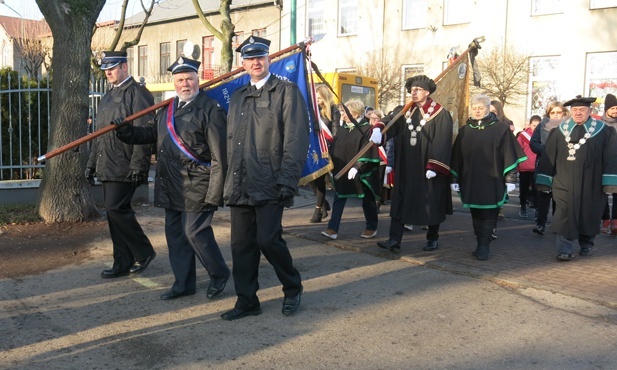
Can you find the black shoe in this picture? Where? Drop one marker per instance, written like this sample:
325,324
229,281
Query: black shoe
564,257
171,294
110,274
431,245
290,305
237,313
216,288
390,244
140,266
539,229
585,252
325,207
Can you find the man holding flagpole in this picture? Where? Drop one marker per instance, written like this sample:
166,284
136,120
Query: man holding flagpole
268,139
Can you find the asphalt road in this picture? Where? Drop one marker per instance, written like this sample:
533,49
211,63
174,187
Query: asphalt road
359,311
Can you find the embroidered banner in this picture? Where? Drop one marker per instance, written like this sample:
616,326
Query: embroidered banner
291,68
453,92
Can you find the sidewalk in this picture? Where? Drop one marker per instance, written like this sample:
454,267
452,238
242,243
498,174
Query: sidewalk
519,258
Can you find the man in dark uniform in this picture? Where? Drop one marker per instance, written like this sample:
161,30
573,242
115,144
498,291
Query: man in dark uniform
268,141
423,143
579,164
122,167
190,172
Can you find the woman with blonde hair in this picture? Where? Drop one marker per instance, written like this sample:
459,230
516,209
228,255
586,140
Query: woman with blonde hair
331,117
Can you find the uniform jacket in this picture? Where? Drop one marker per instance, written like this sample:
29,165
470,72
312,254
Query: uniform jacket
113,159
267,142
182,184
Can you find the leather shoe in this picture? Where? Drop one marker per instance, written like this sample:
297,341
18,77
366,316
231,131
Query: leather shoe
431,245
171,294
140,266
390,244
291,304
237,313
111,273
216,288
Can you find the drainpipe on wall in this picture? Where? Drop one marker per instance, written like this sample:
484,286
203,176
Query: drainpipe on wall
292,36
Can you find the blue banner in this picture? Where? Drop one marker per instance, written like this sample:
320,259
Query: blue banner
291,68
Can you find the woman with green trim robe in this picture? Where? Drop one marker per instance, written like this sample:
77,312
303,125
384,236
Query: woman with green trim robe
485,157
579,164
362,181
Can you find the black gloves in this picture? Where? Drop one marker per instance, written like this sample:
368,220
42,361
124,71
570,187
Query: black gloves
138,177
286,193
90,175
118,121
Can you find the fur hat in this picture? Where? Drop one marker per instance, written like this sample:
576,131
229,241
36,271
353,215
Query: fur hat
609,102
421,81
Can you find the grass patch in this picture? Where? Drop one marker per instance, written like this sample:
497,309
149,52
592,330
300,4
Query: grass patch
18,214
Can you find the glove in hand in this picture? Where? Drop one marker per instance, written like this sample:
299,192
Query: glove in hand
376,136
286,193
388,170
138,177
89,174
352,173
510,187
455,187
430,174
118,121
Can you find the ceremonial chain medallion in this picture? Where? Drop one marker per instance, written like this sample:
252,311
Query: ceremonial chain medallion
572,148
414,131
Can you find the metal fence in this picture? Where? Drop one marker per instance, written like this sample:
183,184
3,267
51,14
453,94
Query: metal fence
25,115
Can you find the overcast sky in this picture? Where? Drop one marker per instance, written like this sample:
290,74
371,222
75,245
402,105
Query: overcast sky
30,10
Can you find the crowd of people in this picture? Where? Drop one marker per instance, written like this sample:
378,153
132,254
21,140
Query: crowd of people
251,158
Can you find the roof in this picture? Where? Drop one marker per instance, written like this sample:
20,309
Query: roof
174,9
30,27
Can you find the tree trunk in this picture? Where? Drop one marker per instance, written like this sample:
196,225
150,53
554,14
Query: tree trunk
64,192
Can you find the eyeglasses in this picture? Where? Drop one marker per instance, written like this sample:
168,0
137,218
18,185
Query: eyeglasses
556,112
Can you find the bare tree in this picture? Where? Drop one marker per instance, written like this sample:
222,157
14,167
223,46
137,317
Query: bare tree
225,34
385,65
33,51
64,192
505,72
119,30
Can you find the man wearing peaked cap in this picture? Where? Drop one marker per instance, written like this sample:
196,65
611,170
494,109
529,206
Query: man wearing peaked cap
111,59
580,165
122,168
267,146
190,136
609,218
184,65
423,144
254,47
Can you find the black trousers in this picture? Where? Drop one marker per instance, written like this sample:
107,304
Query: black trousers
397,229
527,180
543,206
257,230
190,235
130,244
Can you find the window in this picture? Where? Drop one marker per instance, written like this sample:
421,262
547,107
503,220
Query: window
601,75
457,11
180,48
209,71
598,4
409,70
415,14
543,7
315,17
142,60
235,42
165,57
543,83
259,32
130,59
348,17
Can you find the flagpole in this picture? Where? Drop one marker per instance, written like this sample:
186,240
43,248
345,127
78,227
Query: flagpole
475,44
153,108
